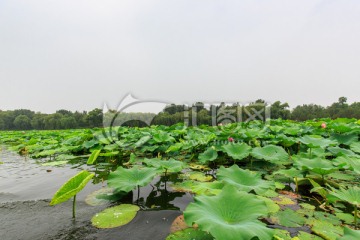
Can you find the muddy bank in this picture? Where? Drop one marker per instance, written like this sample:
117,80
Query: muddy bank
37,220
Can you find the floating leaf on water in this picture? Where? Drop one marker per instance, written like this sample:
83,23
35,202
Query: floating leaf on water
115,216
326,230
288,218
324,216
190,234
282,200
194,166
306,236
201,177
100,197
55,163
185,186
282,235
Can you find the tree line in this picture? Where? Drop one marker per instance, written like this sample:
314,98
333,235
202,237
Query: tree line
197,114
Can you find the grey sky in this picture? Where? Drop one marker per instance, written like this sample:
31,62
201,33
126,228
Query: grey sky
77,55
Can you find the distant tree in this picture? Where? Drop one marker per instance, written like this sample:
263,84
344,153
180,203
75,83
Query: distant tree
68,122
22,122
2,125
37,122
95,118
308,111
280,110
64,112
25,112
53,121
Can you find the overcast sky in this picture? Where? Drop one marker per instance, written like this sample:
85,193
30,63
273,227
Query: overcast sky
78,55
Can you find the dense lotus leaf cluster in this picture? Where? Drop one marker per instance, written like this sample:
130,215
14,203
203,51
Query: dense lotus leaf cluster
270,167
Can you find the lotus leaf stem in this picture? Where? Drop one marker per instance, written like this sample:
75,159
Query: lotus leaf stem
355,215
74,206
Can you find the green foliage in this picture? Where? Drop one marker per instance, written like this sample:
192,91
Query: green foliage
72,187
244,180
209,155
271,153
115,216
170,165
350,234
229,215
237,151
189,233
94,155
126,180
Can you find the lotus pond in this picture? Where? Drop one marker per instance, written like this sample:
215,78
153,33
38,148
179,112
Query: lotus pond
253,180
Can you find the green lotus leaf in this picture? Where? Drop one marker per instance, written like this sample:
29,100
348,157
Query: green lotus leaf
126,180
338,151
55,163
170,165
355,147
244,180
348,162
316,165
350,195
185,186
306,236
289,173
288,218
94,155
71,187
345,217
201,177
103,196
190,233
231,215
142,141
209,155
207,188
162,136
271,205
350,234
324,216
315,141
346,139
115,216
341,127
89,144
271,153
237,151
326,230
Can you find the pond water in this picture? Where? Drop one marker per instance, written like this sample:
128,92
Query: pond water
24,178
24,183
